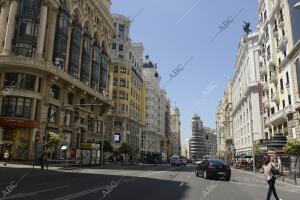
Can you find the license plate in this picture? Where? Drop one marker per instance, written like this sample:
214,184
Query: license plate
222,173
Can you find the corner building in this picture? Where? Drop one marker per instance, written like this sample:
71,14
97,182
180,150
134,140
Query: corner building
53,53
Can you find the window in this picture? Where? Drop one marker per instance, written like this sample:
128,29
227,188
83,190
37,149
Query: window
70,98
75,49
19,81
61,37
86,57
287,78
16,107
51,110
283,103
67,118
115,94
121,32
54,91
113,45
121,47
272,110
25,37
269,53
90,124
289,99
122,83
123,70
281,84
122,95
116,69
298,73
96,67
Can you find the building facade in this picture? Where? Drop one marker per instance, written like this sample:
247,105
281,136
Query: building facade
151,137
246,96
175,125
126,119
279,33
197,148
224,122
55,54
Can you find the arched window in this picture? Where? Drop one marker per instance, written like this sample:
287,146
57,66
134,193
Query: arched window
75,48
103,72
86,57
27,22
61,36
96,66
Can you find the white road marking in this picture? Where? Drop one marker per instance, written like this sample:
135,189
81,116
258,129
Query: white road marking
82,193
181,184
22,195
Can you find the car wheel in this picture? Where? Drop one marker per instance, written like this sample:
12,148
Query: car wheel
196,173
205,175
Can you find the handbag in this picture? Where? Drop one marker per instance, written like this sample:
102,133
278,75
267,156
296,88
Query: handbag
275,171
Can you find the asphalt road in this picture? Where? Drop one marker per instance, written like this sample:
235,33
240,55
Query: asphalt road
139,183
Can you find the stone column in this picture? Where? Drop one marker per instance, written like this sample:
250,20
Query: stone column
10,28
42,30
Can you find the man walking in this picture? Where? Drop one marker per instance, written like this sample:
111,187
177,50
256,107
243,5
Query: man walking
6,157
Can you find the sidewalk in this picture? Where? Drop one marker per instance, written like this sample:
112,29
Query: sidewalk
287,180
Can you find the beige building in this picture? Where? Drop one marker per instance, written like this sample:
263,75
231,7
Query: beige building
127,117
55,53
279,33
175,126
224,121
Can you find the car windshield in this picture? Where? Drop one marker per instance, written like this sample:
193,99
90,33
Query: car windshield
217,162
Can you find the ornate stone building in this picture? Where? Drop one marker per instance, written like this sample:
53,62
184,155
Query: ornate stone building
54,53
127,116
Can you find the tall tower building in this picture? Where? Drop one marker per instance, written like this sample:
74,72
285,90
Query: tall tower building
175,124
197,140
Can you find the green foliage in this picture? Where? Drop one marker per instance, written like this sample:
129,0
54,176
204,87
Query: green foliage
125,149
256,148
106,146
293,147
53,141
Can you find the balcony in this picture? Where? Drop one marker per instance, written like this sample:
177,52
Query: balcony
281,115
282,44
42,66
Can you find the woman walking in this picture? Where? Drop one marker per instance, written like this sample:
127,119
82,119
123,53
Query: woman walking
269,168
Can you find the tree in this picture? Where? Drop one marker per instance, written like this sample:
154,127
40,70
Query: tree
293,148
52,142
106,146
125,149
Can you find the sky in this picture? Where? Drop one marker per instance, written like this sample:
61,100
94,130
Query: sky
195,44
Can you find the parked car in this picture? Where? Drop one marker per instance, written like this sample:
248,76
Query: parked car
213,169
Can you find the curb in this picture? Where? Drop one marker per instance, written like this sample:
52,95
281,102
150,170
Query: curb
261,176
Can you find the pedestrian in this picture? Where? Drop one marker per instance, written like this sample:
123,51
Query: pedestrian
269,172
6,157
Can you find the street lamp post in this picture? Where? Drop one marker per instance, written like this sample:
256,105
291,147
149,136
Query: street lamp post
48,121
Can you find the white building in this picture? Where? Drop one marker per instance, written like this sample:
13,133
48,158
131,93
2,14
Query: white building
246,99
151,136
175,124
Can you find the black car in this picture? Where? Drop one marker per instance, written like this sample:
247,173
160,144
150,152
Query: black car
213,169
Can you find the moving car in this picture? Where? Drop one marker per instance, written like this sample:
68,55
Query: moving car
176,161
213,169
